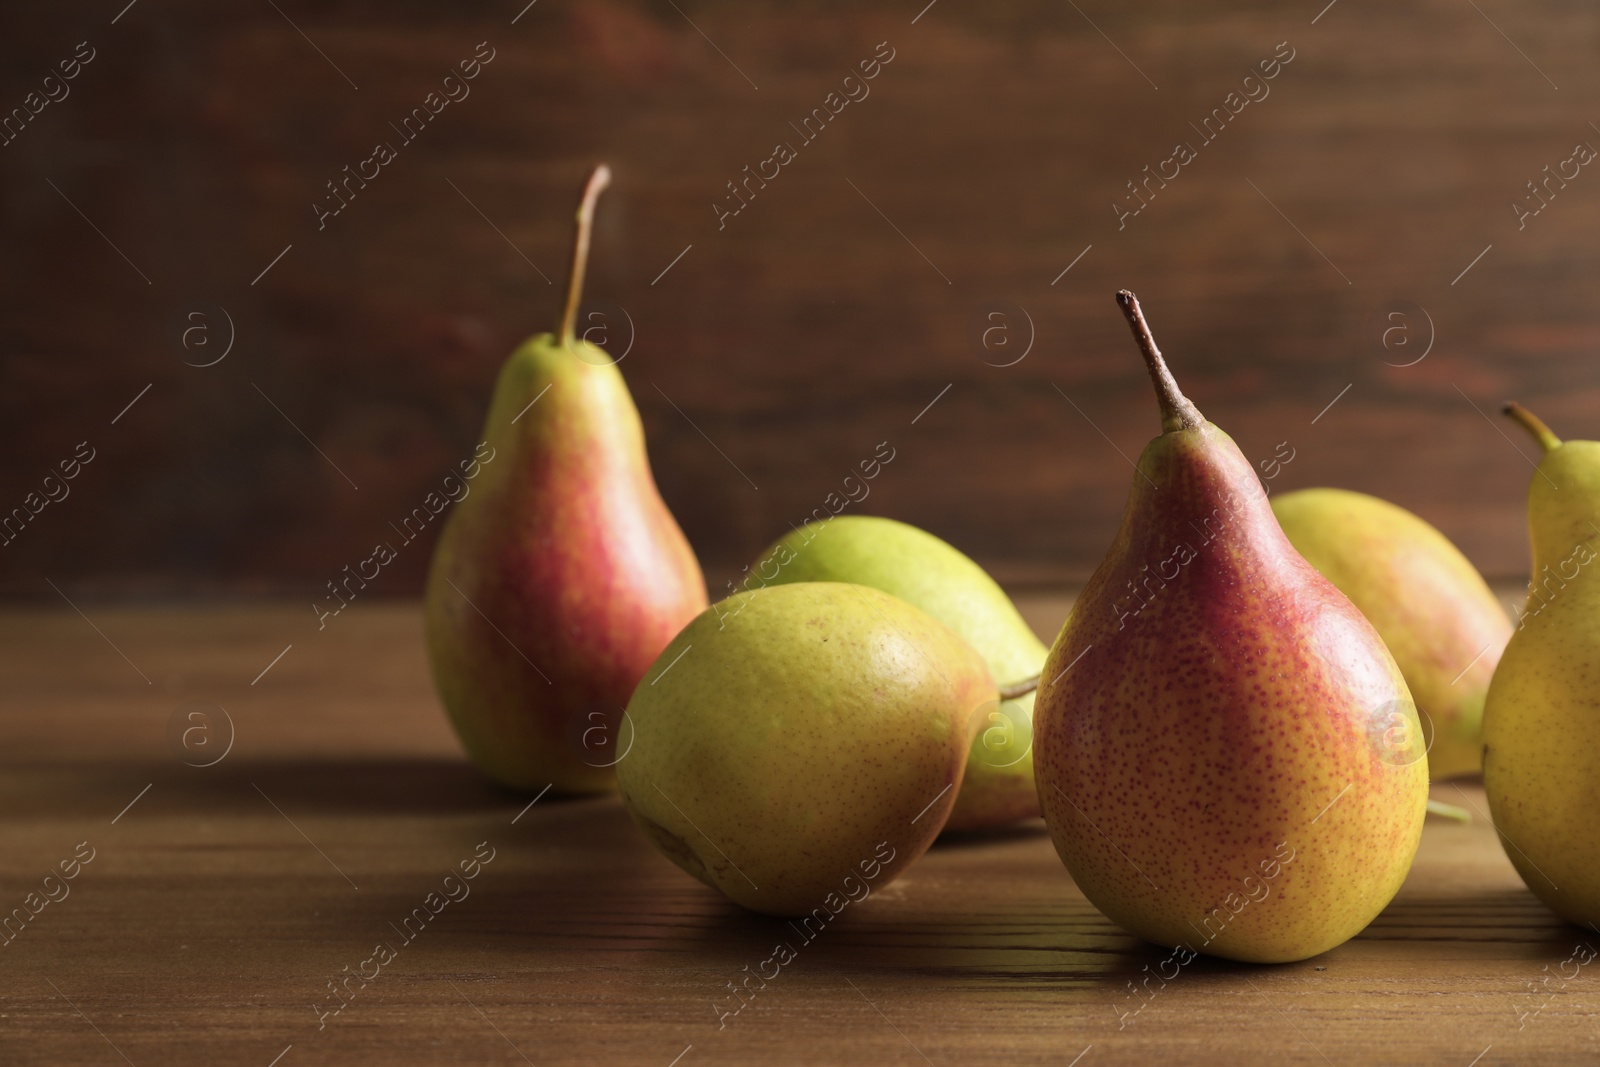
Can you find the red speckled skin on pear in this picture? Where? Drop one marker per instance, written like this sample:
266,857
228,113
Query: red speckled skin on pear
1196,735
576,561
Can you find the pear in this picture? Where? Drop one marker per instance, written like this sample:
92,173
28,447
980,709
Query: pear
799,746
1541,722
1428,603
1227,755
933,575
559,578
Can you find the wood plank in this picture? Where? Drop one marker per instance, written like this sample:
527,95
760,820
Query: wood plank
217,908
806,329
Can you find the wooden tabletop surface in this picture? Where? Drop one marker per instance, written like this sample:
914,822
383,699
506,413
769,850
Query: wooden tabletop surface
211,907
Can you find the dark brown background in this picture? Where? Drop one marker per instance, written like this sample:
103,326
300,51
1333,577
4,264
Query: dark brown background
808,330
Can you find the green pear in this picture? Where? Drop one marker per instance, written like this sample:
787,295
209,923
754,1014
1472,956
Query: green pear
1541,722
1428,603
1227,755
932,575
561,575
799,745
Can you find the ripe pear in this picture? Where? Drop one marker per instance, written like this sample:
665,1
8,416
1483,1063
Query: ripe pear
797,743
933,575
558,579
1428,603
1541,722
1226,752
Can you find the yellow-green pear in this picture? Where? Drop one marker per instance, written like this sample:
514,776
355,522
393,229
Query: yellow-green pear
1541,722
1227,756
933,575
1426,600
798,747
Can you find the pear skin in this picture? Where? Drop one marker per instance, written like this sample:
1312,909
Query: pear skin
1541,722
1227,755
561,576
933,575
1426,600
800,746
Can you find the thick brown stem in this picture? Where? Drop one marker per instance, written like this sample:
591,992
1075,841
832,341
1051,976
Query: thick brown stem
1177,413
1534,425
598,180
1019,689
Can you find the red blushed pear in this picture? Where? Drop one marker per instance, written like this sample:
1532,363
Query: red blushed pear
562,575
1227,755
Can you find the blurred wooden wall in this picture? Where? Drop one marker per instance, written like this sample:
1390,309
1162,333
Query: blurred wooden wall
824,317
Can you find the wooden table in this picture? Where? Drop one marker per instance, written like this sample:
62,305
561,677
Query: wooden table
222,900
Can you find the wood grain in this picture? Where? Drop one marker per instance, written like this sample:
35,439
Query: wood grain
217,908
823,318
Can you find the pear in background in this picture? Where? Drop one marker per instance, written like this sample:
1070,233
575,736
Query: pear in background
558,579
1541,723
932,575
803,744
1428,603
1226,752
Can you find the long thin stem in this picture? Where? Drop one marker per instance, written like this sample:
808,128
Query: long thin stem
1534,425
1020,688
1448,811
1177,413
598,180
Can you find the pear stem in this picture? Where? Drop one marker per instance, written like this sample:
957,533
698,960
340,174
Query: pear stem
1534,425
598,180
1448,811
1019,689
1177,413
